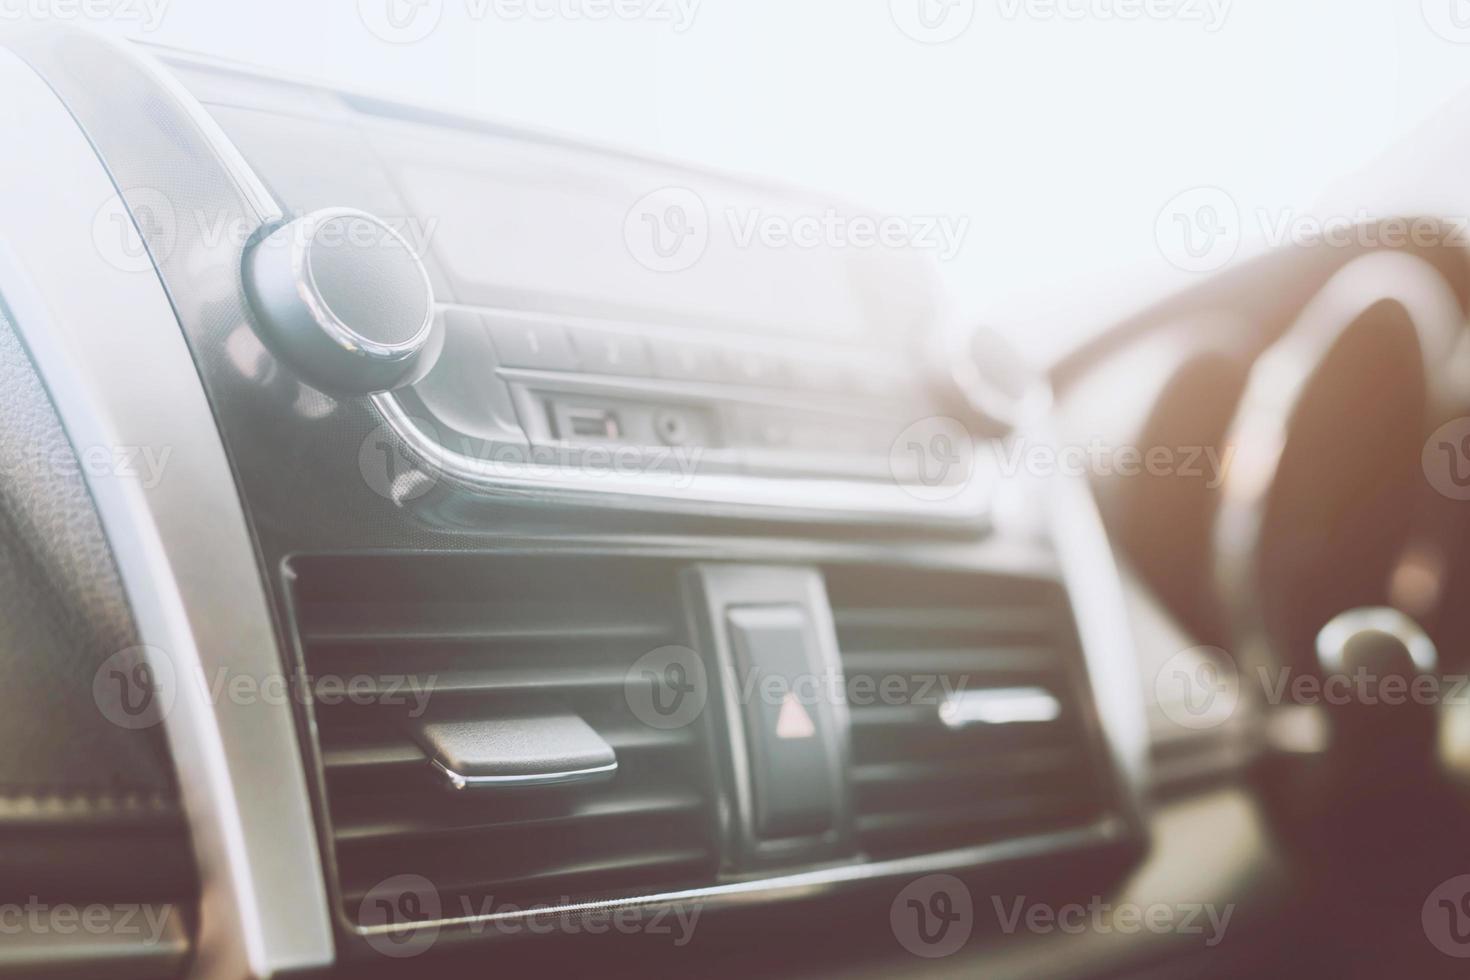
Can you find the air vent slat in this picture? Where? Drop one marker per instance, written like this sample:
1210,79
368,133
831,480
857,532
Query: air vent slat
1038,658
912,641
484,680
487,637
652,806
983,820
364,623
565,881
870,619
908,772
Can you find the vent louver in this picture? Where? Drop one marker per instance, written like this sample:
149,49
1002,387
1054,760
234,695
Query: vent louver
909,640
478,639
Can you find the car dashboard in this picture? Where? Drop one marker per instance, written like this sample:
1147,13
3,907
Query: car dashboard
471,556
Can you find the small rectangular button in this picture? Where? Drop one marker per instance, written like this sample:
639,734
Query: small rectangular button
753,367
530,344
789,731
687,361
603,352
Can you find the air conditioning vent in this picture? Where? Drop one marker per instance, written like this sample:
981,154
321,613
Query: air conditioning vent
486,639
1020,752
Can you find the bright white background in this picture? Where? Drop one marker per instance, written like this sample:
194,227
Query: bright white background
1059,127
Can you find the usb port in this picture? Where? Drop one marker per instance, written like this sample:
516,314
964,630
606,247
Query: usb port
590,423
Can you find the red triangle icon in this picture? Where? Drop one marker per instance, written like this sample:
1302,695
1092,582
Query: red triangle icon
793,721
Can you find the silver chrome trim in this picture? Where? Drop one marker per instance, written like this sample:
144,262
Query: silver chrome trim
999,706
120,374
299,235
1333,638
810,499
805,884
595,774
1060,508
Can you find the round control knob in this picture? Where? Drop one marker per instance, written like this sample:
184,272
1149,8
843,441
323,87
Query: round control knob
345,300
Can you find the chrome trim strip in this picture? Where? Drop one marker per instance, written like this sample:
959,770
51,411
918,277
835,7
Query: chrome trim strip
999,706
805,884
1061,509
595,774
793,498
1333,638
120,373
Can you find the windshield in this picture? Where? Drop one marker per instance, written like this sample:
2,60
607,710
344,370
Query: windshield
1206,130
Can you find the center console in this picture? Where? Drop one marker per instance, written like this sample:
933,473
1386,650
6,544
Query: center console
621,555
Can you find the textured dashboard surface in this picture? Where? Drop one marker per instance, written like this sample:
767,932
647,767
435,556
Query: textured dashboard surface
62,614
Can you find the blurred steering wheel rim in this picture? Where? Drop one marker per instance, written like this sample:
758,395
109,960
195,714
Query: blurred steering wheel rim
1277,388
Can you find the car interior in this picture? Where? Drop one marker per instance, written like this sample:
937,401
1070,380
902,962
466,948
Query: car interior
435,545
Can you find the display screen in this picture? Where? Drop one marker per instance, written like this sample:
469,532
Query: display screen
561,229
